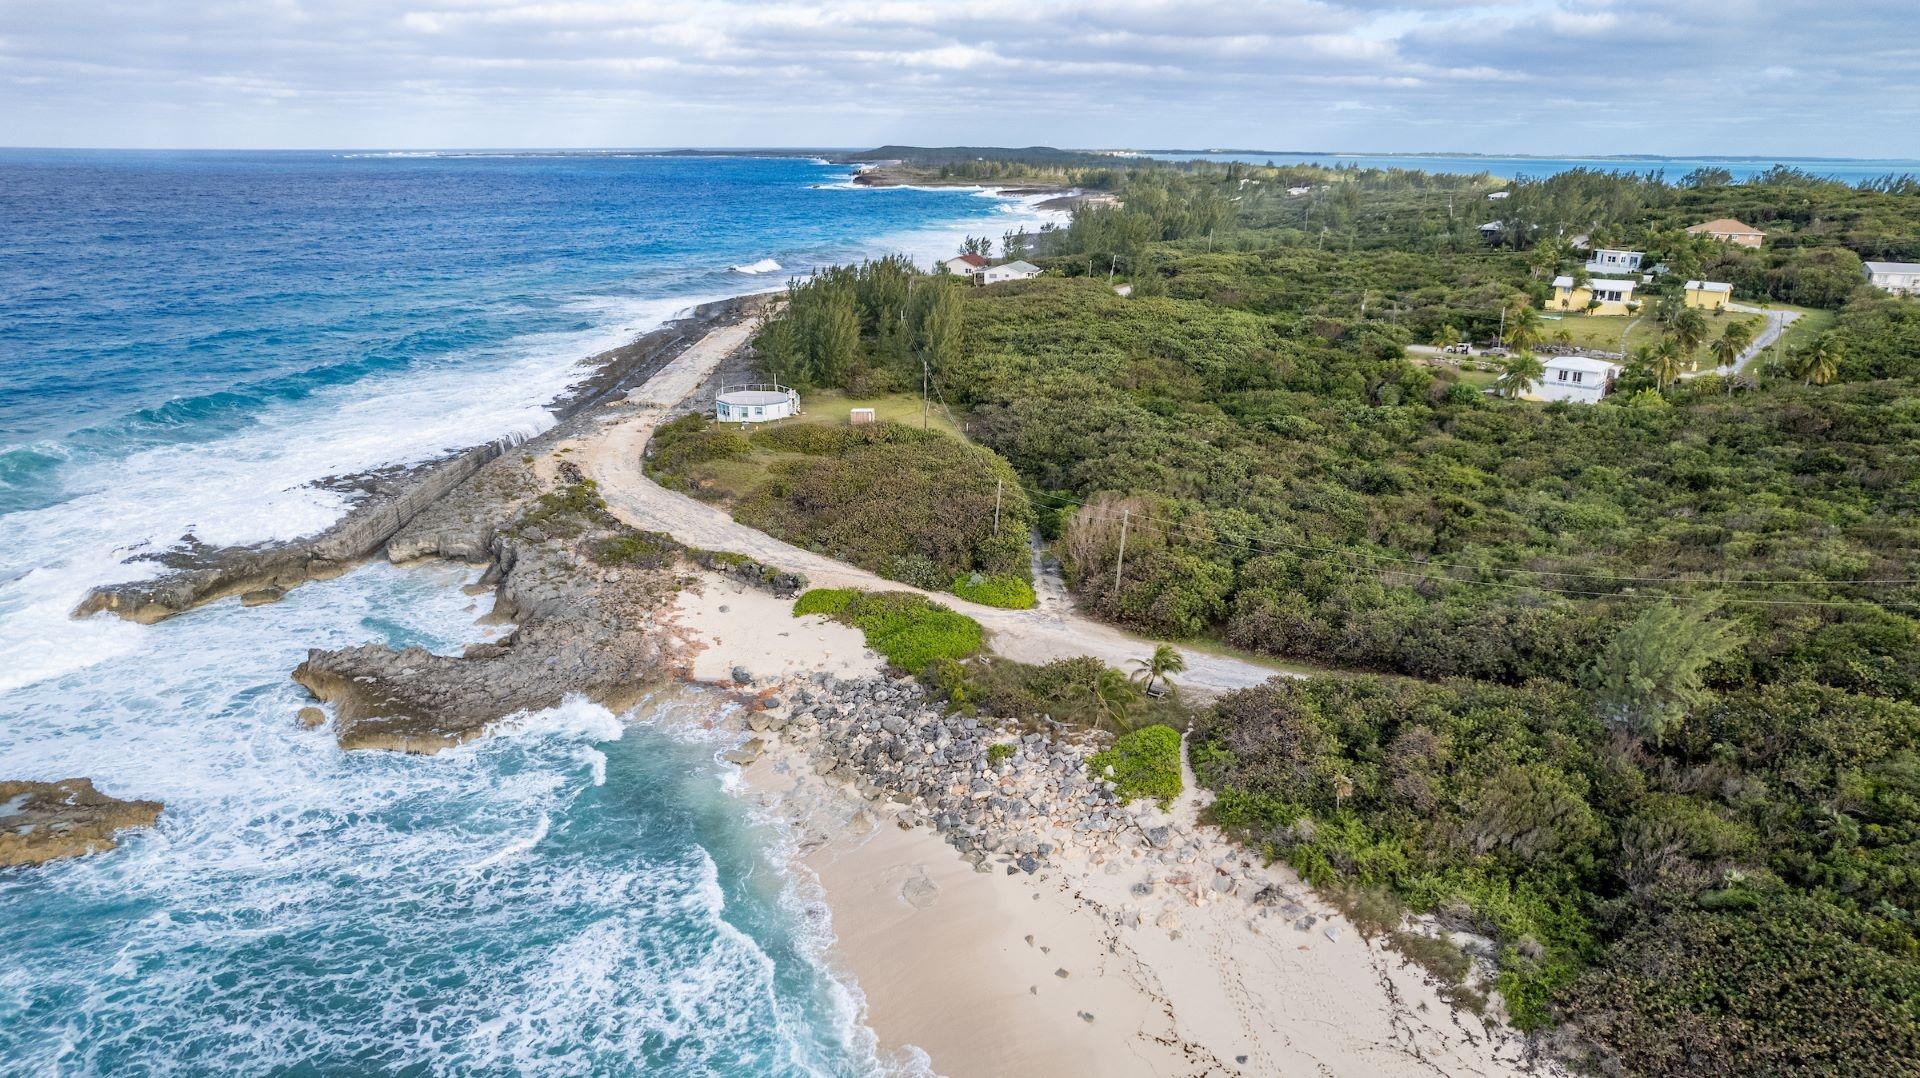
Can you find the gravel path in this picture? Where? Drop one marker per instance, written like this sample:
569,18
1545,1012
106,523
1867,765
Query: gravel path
611,457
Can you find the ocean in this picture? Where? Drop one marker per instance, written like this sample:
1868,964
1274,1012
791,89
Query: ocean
187,342
1846,169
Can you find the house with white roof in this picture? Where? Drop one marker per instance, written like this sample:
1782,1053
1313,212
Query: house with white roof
1608,260
1708,295
1017,270
1899,278
1580,379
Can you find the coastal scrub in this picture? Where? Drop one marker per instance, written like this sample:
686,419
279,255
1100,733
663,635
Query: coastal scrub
1143,763
913,633
1008,592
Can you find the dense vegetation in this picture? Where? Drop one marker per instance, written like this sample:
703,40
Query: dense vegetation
1663,749
912,633
1142,763
914,506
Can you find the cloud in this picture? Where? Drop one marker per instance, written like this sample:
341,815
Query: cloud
1548,76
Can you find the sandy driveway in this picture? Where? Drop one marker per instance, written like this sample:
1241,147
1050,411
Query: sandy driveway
611,456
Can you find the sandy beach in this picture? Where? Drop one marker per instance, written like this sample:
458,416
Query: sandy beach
1071,969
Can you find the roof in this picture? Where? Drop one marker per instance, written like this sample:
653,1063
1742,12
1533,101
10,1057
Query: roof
1019,266
976,261
752,396
1709,286
1726,225
1892,267
1620,283
1563,281
1617,251
1587,364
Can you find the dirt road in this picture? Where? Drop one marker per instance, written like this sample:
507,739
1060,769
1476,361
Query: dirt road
611,457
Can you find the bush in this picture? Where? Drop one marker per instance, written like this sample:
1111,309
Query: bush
1009,592
997,753
910,631
1145,763
647,550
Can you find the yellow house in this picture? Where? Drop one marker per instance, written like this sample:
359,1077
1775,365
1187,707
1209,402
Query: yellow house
1601,295
1709,295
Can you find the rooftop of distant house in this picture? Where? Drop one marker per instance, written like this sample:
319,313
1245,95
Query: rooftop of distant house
1724,226
1589,364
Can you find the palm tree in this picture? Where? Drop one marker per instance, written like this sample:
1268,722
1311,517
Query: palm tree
1689,331
1523,325
1666,363
1444,336
1161,665
1115,695
1522,370
1819,364
1726,349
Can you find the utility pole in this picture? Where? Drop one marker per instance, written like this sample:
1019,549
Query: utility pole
923,392
1501,340
1120,562
996,507
1111,259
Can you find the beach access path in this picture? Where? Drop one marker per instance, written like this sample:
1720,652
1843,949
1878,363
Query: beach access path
611,456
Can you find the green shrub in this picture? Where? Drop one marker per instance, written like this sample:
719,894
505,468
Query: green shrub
911,632
567,512
640,549
997,753
1009,592
829,601
1145,762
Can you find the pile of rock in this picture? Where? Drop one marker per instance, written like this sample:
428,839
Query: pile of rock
985,786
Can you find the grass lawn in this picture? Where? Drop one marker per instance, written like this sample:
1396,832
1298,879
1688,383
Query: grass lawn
1602,332
832,407
727,481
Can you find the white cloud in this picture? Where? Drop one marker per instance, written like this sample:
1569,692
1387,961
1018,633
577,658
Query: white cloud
1373,74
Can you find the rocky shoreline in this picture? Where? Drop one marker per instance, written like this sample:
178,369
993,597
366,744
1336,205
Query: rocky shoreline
1022,800
47,821
386,501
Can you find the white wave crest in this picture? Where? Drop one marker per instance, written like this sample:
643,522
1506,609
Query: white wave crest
765,265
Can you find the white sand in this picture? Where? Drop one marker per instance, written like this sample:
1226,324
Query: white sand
942,955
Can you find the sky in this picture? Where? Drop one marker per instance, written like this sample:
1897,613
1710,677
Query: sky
1764,77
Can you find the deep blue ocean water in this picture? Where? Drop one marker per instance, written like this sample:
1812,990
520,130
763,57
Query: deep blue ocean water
187,341
1848,170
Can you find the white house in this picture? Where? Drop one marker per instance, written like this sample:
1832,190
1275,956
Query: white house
1498,195
964,265
1491,230
1011,271
1581,379
1607,260
755,403
1899,278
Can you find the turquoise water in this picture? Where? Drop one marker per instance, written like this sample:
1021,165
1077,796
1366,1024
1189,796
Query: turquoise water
1848,170
186,342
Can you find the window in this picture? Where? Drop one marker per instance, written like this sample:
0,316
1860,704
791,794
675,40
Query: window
1563,376
757,410
1578,376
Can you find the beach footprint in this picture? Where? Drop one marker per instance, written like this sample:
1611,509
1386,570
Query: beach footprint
919,891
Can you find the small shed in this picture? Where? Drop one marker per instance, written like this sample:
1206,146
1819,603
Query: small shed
862,417
755,403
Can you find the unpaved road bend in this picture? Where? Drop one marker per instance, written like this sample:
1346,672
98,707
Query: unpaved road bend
611,456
